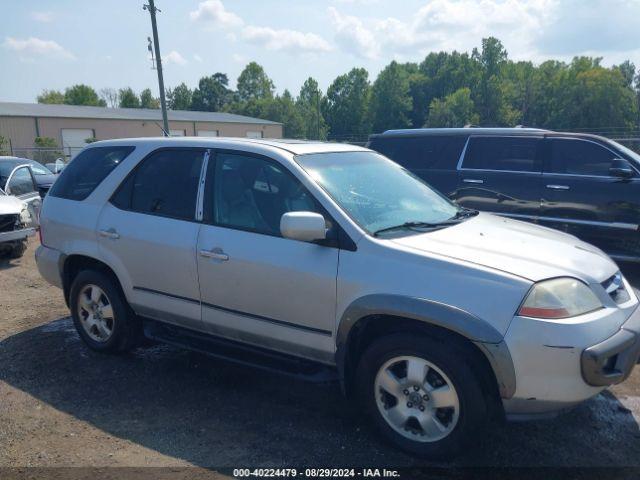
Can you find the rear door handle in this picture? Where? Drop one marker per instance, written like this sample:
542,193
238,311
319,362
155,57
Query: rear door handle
111,233
216,254
558,187
472,180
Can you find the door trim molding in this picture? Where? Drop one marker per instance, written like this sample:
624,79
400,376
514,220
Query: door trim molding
252,316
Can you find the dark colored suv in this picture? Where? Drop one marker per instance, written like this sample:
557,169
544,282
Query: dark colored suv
582,184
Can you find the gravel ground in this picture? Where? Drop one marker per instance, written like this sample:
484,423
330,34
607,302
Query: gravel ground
63,405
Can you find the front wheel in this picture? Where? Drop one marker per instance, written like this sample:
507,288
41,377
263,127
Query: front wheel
423,395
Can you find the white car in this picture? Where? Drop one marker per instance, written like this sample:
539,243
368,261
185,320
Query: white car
15,226
324,260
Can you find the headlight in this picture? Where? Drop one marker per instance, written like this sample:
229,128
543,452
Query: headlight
559,298
25,216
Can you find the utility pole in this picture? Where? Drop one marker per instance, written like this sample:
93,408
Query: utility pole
318,113
163,103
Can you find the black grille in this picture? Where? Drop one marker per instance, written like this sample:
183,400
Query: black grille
8,222
614,286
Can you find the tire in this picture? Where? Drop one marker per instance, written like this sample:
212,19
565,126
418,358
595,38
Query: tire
411,418
103,329
18,250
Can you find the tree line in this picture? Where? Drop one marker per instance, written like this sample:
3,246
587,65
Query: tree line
446,89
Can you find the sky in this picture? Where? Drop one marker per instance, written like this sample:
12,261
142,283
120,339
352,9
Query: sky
55,44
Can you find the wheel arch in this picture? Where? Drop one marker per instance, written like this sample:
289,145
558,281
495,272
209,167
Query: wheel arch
371,316
71,265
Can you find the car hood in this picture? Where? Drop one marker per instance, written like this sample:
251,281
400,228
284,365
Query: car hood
524,249
10,205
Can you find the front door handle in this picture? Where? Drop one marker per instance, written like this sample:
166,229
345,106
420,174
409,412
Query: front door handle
216,254
111,233
558,187
472,180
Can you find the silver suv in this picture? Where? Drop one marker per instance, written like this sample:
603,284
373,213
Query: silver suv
330,261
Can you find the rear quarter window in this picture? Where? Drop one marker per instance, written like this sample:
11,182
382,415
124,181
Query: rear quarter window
81,177
422,153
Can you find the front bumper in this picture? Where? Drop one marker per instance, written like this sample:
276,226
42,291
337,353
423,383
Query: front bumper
559,364
15,235
611,361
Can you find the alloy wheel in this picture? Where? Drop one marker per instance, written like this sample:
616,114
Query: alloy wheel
96,313
416,399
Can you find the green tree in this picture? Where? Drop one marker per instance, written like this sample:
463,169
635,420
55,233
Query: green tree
128,98
489,98
283,109
347,104
254,84
179,98
309,104
440,74
82,95
51,96
212,94
147,100
628,71
47,150
455,110
390,104
596,97
4,146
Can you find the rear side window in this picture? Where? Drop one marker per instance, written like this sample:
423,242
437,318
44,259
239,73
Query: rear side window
577,157
164,184
422,153
87,171
514,154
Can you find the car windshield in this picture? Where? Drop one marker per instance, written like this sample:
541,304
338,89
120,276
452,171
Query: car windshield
378,194
39,169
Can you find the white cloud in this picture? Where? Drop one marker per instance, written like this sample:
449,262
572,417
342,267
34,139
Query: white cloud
44,17
174,57
444,25
197,58
213,14
291,41
239,58
353,36
36,47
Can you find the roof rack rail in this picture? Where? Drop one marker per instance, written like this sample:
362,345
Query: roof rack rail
471,125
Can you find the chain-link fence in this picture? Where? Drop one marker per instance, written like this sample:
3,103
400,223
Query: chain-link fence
53,158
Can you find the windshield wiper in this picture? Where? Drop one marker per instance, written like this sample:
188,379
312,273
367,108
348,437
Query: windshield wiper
460,215
407,226
464,213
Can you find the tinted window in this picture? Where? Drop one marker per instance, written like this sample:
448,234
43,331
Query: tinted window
578,157
165,183
502,153
415,153
21,182
251,193
87,170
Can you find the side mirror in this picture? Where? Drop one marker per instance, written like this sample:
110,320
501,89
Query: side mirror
620,168
303,226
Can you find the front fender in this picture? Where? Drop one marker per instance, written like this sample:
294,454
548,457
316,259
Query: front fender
480,332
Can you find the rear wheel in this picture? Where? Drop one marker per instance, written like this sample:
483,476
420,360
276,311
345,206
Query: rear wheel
422,394
101,314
